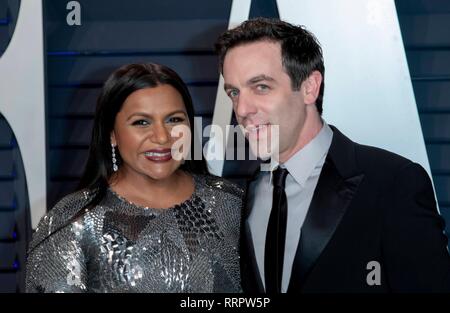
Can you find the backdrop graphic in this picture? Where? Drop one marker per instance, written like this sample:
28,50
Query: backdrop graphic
60,52
23,135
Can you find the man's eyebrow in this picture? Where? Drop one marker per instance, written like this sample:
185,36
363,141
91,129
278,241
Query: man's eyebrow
259,78
251,81
228,86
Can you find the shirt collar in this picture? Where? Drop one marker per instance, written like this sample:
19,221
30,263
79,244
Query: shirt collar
303,162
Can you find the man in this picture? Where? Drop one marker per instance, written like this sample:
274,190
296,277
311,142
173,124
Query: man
333,215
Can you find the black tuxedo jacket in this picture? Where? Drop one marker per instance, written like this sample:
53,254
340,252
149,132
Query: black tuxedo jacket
369,205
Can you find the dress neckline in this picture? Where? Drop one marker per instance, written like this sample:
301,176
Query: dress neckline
133,205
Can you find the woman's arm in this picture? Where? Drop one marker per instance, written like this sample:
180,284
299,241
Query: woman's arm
57,264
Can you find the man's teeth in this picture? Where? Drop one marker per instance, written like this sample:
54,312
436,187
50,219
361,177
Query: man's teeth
157,154
254,129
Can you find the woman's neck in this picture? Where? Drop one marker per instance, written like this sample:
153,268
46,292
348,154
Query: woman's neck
158,193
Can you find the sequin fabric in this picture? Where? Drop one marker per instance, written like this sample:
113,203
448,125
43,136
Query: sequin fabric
118,246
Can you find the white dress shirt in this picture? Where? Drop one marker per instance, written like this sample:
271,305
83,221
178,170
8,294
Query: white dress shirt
304,169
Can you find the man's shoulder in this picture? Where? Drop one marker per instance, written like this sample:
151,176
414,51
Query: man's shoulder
375,163
385,165
365,156
369,156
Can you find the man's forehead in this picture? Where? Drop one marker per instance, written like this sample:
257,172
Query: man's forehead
250,61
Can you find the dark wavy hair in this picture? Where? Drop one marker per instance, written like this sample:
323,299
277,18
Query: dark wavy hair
301,53
120,84
116,89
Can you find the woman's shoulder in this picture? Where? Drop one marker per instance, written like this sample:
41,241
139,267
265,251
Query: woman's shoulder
221,185
61,213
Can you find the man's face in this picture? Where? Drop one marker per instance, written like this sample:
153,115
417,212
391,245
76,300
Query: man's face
261,93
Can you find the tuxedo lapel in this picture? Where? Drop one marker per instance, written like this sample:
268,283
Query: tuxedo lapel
334,192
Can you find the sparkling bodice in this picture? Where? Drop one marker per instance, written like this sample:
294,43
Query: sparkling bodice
118,246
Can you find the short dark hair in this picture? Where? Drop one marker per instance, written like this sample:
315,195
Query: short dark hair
120,84
301,53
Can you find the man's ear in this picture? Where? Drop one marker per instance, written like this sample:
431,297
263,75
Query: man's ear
113,138
311,87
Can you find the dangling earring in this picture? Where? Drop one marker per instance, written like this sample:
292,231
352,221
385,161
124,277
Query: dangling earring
114,160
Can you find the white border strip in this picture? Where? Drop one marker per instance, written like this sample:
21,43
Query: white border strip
223,110
22,99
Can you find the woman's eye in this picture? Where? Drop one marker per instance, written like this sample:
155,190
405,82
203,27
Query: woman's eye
176,119
140,123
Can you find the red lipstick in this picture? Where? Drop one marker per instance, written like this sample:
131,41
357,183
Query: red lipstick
158,155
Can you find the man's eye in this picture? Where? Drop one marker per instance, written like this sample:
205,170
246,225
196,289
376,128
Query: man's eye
262,87
176,119
233,93
140,123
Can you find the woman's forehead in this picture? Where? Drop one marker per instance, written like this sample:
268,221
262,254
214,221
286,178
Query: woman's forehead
160,99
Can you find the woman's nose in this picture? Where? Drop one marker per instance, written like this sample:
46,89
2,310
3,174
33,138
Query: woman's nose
160,134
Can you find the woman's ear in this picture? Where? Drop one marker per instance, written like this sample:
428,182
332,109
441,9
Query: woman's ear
113,139
312,87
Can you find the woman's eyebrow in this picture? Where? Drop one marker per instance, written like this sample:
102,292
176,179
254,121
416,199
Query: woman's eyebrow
150,116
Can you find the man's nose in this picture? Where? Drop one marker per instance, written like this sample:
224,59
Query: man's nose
244,105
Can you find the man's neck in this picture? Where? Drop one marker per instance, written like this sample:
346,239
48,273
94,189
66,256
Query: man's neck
313,125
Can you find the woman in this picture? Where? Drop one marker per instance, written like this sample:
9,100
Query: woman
143,220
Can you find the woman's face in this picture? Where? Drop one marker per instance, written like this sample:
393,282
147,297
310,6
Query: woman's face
142,132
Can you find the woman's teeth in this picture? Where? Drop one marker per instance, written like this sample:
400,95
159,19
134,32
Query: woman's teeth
157,154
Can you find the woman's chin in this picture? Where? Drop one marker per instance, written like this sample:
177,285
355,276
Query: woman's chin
162,174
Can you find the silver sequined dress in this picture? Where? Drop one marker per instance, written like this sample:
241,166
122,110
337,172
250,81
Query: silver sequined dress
118,246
